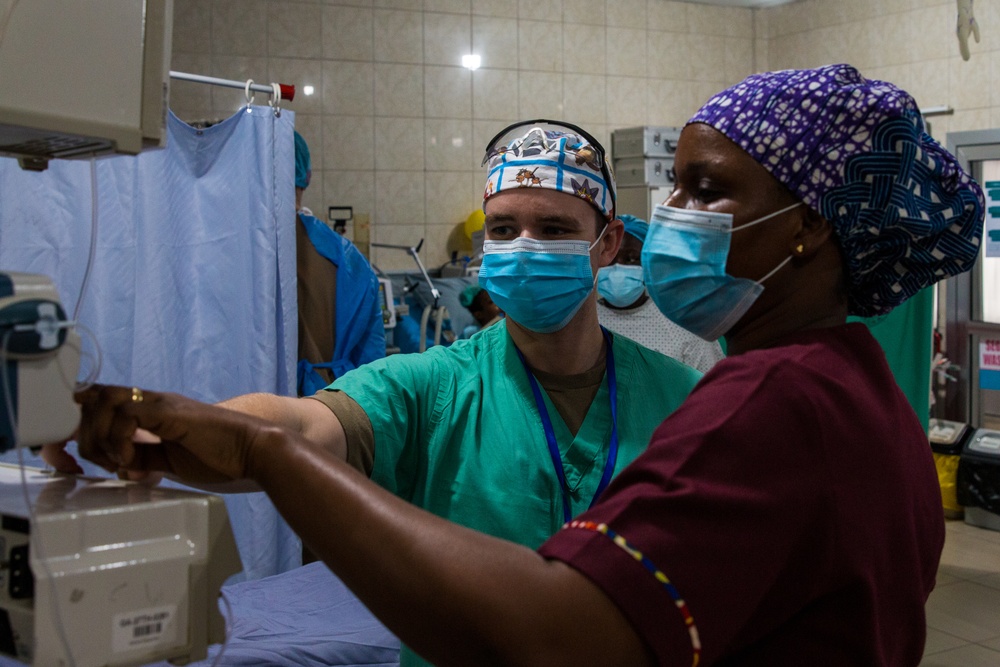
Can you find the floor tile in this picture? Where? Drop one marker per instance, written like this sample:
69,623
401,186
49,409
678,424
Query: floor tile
963,612
970,553
938,641
967,610
991,580
971,655
944,578
985,534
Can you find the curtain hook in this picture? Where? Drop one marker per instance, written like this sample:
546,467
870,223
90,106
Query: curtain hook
249,95
275,99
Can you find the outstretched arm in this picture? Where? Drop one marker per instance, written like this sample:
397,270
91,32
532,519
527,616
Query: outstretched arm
310,419
454,595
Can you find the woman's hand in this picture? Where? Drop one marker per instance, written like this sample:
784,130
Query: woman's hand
56,456
194,441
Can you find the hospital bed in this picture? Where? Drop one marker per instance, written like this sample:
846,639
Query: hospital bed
305,617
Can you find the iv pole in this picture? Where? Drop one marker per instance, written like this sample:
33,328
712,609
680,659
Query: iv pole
438,310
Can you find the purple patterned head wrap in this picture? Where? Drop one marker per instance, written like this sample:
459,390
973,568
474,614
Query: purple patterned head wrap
905,213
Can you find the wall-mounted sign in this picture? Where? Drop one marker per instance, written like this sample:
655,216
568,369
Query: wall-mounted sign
989,363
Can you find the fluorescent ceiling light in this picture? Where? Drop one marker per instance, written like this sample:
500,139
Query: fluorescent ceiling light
471,61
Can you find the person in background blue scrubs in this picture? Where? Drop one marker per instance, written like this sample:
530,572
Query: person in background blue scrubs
340,316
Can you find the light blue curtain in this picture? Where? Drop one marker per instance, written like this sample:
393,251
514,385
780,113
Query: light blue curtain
193,282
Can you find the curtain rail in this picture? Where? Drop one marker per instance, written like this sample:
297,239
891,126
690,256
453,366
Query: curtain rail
285,91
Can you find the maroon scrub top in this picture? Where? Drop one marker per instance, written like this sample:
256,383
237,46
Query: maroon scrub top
793,505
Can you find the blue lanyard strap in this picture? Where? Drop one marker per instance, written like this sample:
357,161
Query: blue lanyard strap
550,434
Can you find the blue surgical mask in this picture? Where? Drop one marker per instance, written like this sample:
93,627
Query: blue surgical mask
538,284
684,264
621,285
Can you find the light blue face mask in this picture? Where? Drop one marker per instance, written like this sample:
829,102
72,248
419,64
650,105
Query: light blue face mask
621,285
684,264
538,284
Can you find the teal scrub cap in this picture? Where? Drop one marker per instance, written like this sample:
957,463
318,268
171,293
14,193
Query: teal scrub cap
303,165
468,294
635,226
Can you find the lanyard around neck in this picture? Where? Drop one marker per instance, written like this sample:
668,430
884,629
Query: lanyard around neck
550,434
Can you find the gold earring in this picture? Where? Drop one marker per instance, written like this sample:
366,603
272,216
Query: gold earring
799,248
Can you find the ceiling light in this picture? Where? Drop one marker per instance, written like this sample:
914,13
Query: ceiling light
471,61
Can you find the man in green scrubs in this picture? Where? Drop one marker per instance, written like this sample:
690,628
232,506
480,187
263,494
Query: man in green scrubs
457,430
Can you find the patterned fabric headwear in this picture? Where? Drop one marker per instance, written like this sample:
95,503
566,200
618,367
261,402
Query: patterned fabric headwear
554,160
635,226
905,213
303,165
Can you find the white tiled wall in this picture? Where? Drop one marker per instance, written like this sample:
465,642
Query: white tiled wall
397,127
909,42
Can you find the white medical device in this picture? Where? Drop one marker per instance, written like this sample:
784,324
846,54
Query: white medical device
118,573
41,357
103,572
83,78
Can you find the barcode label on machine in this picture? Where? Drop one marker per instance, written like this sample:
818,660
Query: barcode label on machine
144,628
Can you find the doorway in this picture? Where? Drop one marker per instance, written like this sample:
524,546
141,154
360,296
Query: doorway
969,304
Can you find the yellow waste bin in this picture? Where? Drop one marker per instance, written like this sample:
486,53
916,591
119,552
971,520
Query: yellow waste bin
946,439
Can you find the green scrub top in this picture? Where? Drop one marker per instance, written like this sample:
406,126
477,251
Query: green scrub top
457,432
